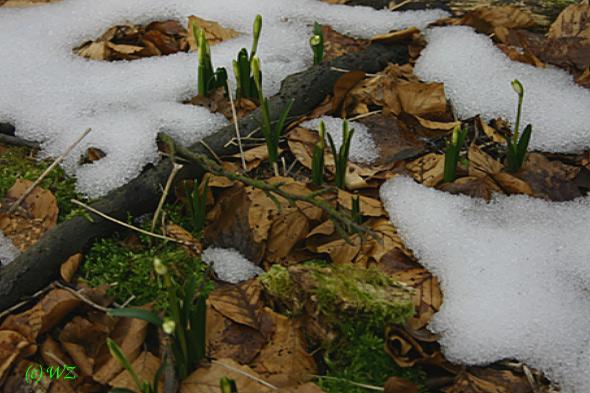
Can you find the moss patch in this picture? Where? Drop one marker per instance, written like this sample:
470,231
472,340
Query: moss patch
19,163
109,261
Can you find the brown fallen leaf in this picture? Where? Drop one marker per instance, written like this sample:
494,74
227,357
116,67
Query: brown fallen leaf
343,86
214,32
193,246
369,207
487,18
489,380
474,186
400,385
480,163
12,344
206,379
548,179
428,169
285,361
285,232
512,184
69,267
145,366
337,44
395,36
422,98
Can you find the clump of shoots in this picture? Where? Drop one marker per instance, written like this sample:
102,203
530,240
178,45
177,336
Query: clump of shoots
341,156
142,385
245,75
197,204
208,80
452,153
355,212
272,135
317,165
228,385
186,322
518,144
317,44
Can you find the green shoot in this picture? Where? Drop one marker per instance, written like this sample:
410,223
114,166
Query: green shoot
187,322
317,44
228,385
272,135
317,166
341,156
452,153
207,79
246,87
517,147
142,385
356,210
197,203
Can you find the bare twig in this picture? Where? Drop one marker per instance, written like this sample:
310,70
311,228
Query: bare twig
19,305
206,146
340,218
46,172
129,226
252,377
81,297
361,385
364,115
173,173
235,118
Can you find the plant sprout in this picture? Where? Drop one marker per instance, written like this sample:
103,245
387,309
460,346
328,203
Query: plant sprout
341,156
452,153
317,44
518,144
317,166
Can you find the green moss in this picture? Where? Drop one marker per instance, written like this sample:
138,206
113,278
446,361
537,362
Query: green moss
339,289
109,261
17,163
359,356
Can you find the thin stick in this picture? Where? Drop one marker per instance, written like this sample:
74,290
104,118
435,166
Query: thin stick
202,142
252,377
19,305
400,5
81,297
129,226
238,136
173,173
46,172
363,115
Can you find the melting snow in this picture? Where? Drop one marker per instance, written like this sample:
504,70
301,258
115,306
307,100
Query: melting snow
230,265
477,79
362,148
52,95
8,251
515,275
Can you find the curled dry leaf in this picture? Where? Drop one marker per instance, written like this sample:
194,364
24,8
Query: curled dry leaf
474,186
422,98
512,184
214,32
12,344
343,86
337,44
428,170
396,36
548,179
481,164
486,19
489,380
193,246
69,267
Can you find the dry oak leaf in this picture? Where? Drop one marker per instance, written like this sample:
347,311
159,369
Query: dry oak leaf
548,179
214,32
192,245
481,164
512,184
145,366
40,203
82,340
344,85
388,240
286,231
490,131
427,297
53,354
341,251
574,21
474,186
369,207
285,361
337,44
428,170
437,125
486,19
206,379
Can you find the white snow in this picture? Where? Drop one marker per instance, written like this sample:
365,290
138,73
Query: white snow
8,251
515,275
477,79
362,148
230,265
52,95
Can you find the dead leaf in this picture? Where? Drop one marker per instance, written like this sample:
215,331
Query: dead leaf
400,385
145,366
206,379
512,184
285,232
486,19
427,298
53,354
490,131
428,169
337,44
481,164
69,267
193,246
82,341
369,207
422,98
214,32
489,380
437,125
285,361
12,344
474,186
395,36
343,86
552,180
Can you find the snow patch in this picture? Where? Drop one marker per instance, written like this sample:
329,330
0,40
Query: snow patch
515,274
477,78
230,265
362,148
8,251
52,95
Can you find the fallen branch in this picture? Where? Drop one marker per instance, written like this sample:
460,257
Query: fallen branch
40,264
340,219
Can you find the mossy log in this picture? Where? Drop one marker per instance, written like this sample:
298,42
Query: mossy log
40,264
